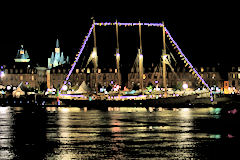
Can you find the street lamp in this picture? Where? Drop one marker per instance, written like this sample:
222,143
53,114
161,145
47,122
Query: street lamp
2,74
185,86
64,87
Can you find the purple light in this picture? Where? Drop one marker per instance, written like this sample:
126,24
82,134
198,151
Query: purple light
80,52
2,74
134,24
188,61
117,52
130,97
129,24
82,96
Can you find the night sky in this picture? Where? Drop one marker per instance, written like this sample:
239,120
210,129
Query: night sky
206,36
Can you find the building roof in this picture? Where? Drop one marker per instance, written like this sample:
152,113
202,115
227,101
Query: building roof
22,55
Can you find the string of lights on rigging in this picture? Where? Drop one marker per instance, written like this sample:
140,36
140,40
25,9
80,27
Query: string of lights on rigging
174,44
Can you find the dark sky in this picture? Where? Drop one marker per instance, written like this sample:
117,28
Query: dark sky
207,34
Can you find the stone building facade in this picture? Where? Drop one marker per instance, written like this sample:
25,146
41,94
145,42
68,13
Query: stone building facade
210,75
55,75
34,77
14,76
234,77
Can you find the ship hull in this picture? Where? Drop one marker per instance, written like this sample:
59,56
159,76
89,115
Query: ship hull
41,101
170,101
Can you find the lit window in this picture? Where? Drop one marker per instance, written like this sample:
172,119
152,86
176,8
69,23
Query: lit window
214,75
32,78
88,70
233,76
21,78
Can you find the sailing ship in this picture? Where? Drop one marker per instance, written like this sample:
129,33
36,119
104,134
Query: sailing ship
139,97
159,97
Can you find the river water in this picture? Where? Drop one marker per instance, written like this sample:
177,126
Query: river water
118,133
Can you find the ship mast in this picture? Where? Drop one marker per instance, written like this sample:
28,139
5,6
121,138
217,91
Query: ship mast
94,56
118,56
140,56
164,57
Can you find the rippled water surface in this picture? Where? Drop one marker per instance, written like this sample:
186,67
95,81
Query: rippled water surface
118,133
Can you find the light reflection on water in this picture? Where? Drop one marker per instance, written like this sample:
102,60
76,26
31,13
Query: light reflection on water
117,133
6,133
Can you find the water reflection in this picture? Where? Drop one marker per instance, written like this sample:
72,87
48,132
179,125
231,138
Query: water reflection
6,133
117,137
117,133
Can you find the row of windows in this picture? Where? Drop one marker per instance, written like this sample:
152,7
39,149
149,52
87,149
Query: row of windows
58,71
21,78
156,76
235,75
170,83
20,71
82,70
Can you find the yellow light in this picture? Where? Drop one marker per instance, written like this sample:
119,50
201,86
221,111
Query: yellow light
164,57
185,109
63,109
144,76
117,55
94,54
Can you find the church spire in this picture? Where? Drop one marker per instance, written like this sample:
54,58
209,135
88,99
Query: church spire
57,49
57,43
